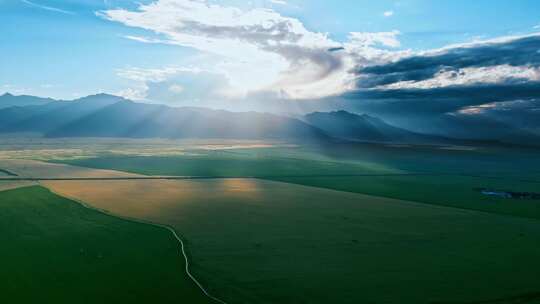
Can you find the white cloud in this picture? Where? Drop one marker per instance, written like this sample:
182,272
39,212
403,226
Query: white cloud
256,49
280,2
388,13
285,56
13,89
476,43
140,78
472,76
388,39
154,75
176,88
177,85
219,29
499,105
148,40
132,93
48,8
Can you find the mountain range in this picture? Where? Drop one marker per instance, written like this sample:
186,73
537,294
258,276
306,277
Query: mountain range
104,115
349,126
8,100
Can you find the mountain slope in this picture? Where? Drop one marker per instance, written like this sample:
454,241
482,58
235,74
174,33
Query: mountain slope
110,116
53,115
136,120
345,125
105,115
8,100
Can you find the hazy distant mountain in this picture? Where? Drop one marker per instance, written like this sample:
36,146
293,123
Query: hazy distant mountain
345,125
129,119
50,116
104,115
8,100
110,116
482,127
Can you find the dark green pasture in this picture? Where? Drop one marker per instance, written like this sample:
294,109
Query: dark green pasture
222,164
56,251
445,190
311,246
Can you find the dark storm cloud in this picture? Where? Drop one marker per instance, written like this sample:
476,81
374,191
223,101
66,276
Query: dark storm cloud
445,99
472,94
514,120
497,107
518,52
523,113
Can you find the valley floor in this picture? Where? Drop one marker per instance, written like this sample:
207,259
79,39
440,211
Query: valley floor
257,241
261,240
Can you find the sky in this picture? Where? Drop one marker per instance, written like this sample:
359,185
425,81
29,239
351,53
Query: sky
392,58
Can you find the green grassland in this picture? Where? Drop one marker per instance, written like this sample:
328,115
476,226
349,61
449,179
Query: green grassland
222,164
423,174
495,161
56,251
445,190
257,241
270,242
309,246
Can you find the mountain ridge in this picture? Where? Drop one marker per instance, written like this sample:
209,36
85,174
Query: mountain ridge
364,127
105,115
9,100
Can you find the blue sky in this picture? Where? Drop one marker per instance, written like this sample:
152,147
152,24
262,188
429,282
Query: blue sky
63,49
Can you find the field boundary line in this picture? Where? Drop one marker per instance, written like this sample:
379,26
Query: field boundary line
139,221
267,177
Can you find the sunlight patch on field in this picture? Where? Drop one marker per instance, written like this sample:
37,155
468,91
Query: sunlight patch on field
158,201
241,186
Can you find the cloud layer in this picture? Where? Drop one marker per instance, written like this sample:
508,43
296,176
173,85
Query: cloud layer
261,57
287,57
458,62
485,82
